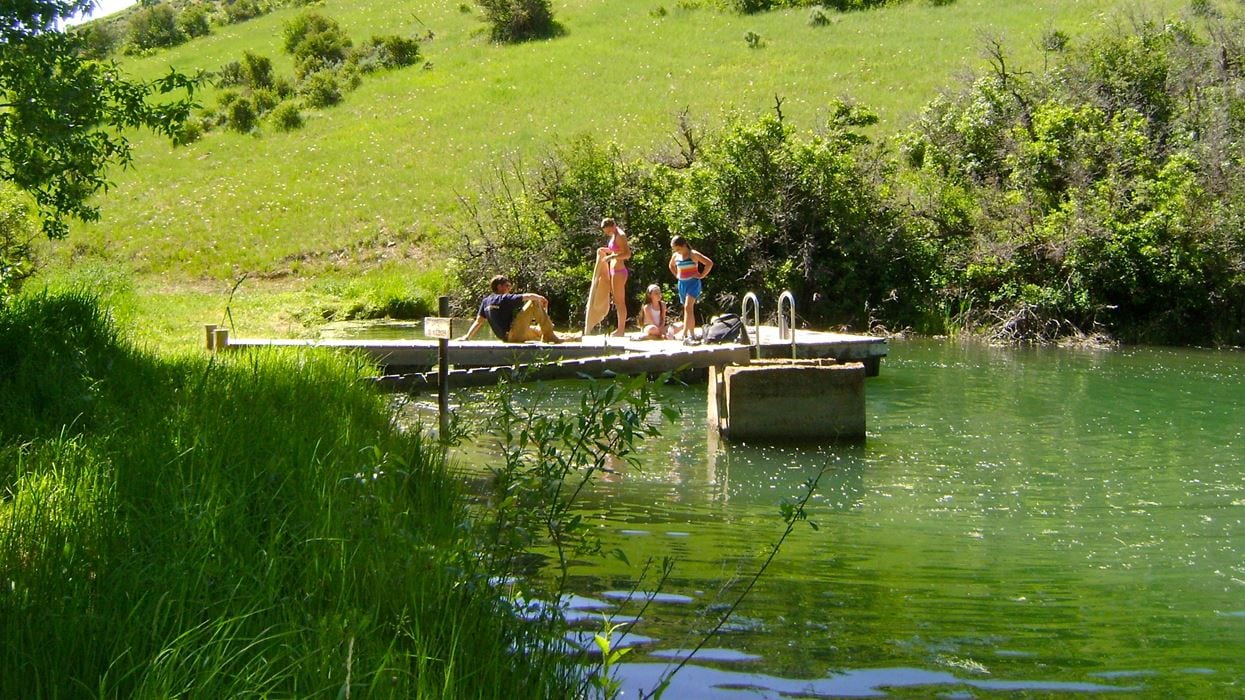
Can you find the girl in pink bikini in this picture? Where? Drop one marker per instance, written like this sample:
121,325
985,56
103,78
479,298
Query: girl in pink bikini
617,252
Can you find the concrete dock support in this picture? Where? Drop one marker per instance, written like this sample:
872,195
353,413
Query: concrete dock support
789,400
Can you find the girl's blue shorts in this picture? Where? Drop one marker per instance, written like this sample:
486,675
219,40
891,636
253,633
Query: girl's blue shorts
689,288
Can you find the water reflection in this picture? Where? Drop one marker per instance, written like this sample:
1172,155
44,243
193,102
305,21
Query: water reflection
1032,522
706,682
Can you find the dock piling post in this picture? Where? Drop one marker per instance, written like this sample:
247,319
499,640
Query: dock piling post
220,339
209,330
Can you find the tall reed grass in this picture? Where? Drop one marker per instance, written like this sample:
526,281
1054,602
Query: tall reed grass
251,525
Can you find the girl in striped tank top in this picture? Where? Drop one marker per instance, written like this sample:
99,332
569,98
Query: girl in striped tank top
688,266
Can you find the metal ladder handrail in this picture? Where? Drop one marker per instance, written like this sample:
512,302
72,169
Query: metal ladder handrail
756,316
786,323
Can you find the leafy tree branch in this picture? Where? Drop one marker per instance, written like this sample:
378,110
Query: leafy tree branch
64,117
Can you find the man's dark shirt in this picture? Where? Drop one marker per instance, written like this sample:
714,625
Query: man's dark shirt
500,309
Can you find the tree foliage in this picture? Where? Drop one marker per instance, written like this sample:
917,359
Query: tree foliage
316,42
1099,195
754,6
518,20
774,208
62,116
17,234
154,27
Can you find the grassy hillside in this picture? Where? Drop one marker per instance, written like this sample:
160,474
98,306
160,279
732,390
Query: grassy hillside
356,203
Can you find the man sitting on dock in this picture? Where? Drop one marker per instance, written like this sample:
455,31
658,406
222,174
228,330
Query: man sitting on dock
511,316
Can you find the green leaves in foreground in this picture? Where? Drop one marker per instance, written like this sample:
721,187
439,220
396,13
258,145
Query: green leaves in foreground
550,456
62,116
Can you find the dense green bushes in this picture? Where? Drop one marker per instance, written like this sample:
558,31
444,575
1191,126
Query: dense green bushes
385,53
316,42
195,21
518,20
327,65
160,24
775,210
1099,196
1094,196
154,27
18,231
753,6
249,524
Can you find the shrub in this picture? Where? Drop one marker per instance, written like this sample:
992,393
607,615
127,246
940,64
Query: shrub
1054,40
229,75
818,17
1203,8
778,210
349,77
264,99
1084,199
546,242
316,42
256,70
517,20
385,52
286,117
242,10
754,40
154,27
193,21
754,6
191,131
17,236
283,87
211,118
241,115
97,40
748,7
321,89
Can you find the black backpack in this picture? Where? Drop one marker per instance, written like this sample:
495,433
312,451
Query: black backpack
727,328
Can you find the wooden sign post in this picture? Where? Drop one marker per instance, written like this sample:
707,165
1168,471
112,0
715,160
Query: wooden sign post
440,328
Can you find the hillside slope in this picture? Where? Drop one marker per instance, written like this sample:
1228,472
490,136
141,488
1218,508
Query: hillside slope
368,185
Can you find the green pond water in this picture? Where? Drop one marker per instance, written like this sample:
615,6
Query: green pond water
1019,522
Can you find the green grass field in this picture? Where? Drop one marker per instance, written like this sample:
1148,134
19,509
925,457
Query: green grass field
365,194
250,525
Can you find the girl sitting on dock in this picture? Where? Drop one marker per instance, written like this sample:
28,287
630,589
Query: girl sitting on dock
653,316
689,267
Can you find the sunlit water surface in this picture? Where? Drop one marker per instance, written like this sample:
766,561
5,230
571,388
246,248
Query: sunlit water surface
1019,522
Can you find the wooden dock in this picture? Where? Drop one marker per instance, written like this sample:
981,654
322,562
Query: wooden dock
409,364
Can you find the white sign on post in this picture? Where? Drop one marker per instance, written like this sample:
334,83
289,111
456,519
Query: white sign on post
437,327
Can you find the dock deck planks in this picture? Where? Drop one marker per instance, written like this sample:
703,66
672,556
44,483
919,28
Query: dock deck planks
480,362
